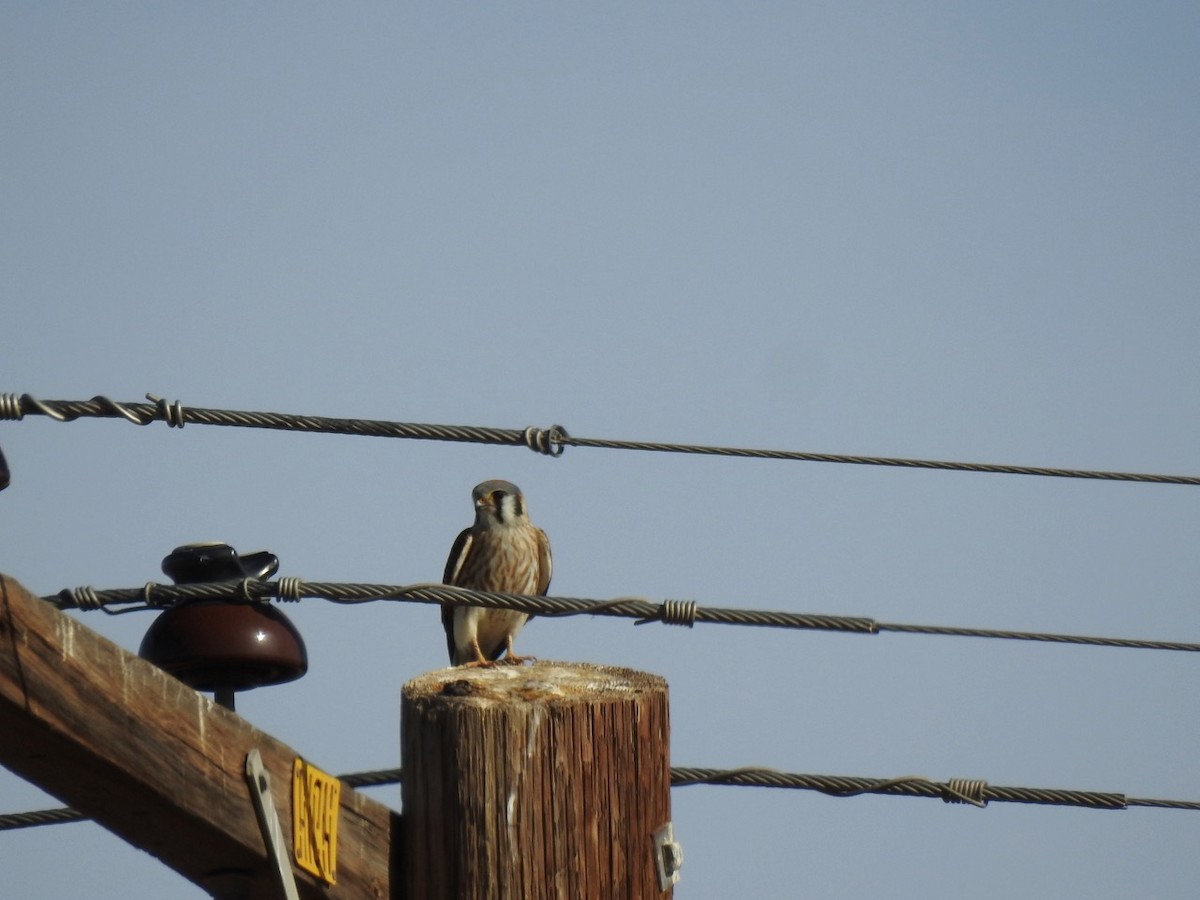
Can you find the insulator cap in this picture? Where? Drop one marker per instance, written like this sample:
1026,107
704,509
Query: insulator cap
218,645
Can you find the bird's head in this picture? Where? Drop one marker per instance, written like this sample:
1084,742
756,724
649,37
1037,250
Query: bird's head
498,502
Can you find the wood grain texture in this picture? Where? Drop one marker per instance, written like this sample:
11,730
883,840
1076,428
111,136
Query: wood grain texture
159,764
530,782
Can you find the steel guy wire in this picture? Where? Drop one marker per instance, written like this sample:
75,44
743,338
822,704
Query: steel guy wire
974,792
669,612
548,441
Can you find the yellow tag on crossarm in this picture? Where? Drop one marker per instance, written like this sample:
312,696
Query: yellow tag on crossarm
315,804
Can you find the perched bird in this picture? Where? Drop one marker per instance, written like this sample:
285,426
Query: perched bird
502,552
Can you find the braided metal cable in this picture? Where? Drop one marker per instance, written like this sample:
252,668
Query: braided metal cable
13,821
671,612
549,442
64,815
375,778
1003,634
906,786
995,468
546,441
1150,803
956,790
674,611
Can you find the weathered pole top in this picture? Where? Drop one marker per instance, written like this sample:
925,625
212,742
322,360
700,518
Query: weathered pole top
543,681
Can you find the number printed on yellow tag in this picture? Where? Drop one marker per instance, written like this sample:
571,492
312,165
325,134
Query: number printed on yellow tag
315,804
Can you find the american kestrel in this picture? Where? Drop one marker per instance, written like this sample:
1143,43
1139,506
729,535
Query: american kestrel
502,552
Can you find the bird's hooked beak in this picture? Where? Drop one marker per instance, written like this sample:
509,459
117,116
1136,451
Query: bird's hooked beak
487,506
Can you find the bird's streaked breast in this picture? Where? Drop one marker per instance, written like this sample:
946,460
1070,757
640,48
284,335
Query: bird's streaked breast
504,560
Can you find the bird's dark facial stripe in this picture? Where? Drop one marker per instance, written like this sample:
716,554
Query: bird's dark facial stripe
506,506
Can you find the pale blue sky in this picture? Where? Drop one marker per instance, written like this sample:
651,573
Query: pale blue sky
949,230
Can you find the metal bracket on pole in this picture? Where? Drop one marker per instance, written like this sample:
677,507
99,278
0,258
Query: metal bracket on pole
268,823
668,856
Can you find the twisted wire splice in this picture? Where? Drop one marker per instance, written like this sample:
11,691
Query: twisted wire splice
966,790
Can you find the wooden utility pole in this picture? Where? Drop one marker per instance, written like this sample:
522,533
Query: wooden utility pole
524,783
164,767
